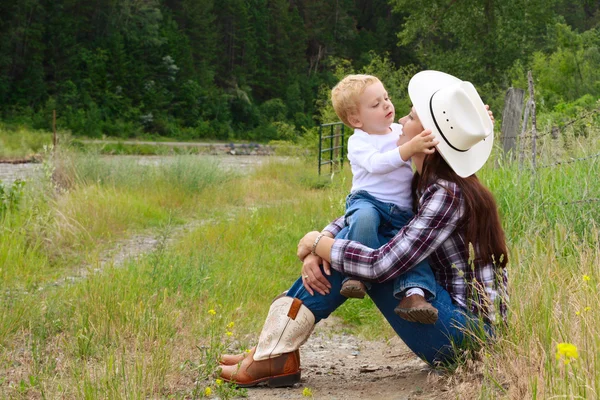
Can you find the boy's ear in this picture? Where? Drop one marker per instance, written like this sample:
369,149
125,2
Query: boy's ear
355,121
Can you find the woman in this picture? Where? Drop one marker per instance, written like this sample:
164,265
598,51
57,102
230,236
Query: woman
456,225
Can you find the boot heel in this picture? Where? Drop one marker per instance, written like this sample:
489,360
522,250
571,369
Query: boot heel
283,381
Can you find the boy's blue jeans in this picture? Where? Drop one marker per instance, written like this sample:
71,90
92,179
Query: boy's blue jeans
372,222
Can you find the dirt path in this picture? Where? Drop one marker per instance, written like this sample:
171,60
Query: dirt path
341,366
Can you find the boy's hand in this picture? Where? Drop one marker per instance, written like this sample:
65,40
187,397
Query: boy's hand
424,142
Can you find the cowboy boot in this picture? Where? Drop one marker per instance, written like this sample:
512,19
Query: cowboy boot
276,359
233,359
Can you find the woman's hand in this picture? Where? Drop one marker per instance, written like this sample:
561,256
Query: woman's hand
305,244
490,113
312,277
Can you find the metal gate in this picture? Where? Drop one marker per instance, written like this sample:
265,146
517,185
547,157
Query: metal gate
334,154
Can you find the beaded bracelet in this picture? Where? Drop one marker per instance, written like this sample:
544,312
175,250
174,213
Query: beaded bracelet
314,246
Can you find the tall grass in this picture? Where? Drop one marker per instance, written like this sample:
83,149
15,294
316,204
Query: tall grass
551,219
19,142
146,328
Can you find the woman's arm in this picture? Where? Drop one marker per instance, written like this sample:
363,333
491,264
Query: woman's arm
335,226
312,276
318,242
439,212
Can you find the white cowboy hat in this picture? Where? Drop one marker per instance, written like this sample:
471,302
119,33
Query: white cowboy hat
455,113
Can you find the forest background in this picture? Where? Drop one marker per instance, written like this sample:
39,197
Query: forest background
260,70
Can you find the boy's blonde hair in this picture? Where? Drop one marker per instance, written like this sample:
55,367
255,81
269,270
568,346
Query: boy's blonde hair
345,94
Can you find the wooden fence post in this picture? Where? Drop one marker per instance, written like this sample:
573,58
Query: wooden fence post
511,119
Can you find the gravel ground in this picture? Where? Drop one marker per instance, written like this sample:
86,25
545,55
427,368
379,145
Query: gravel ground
340,366
10,172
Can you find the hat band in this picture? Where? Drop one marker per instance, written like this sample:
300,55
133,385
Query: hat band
438,127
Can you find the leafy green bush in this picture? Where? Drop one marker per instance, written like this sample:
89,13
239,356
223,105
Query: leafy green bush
273,110
565,73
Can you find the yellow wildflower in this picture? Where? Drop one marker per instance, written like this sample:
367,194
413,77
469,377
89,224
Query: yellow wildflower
247,351
212,312
586,278
307,392
230,325
585,309
207,391
568,351
219,382
229,333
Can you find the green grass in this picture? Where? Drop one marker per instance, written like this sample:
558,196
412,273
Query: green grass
20,143
143,329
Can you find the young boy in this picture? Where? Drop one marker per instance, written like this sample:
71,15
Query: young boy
380,201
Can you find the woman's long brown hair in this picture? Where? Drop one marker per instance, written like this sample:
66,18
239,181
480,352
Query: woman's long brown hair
480,223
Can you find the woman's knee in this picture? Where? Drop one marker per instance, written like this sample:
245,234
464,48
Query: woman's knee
321,306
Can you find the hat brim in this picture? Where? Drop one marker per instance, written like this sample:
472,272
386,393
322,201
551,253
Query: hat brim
420,89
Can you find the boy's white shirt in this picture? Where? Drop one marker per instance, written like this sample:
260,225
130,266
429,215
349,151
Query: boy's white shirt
378,168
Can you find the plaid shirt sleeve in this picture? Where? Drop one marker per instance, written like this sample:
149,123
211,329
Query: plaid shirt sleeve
440,209
336,226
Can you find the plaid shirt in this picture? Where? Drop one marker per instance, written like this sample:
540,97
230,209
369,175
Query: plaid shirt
433,233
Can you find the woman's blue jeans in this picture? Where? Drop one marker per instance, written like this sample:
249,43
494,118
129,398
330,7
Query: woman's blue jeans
431,342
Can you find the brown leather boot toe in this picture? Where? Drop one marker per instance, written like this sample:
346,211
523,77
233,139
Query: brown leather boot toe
353,288
232,359
416,309
280,371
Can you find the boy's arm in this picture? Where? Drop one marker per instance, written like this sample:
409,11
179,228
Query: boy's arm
424,142
364,154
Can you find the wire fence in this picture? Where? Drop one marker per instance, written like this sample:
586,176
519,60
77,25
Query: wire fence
570,161
559,129
561,163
